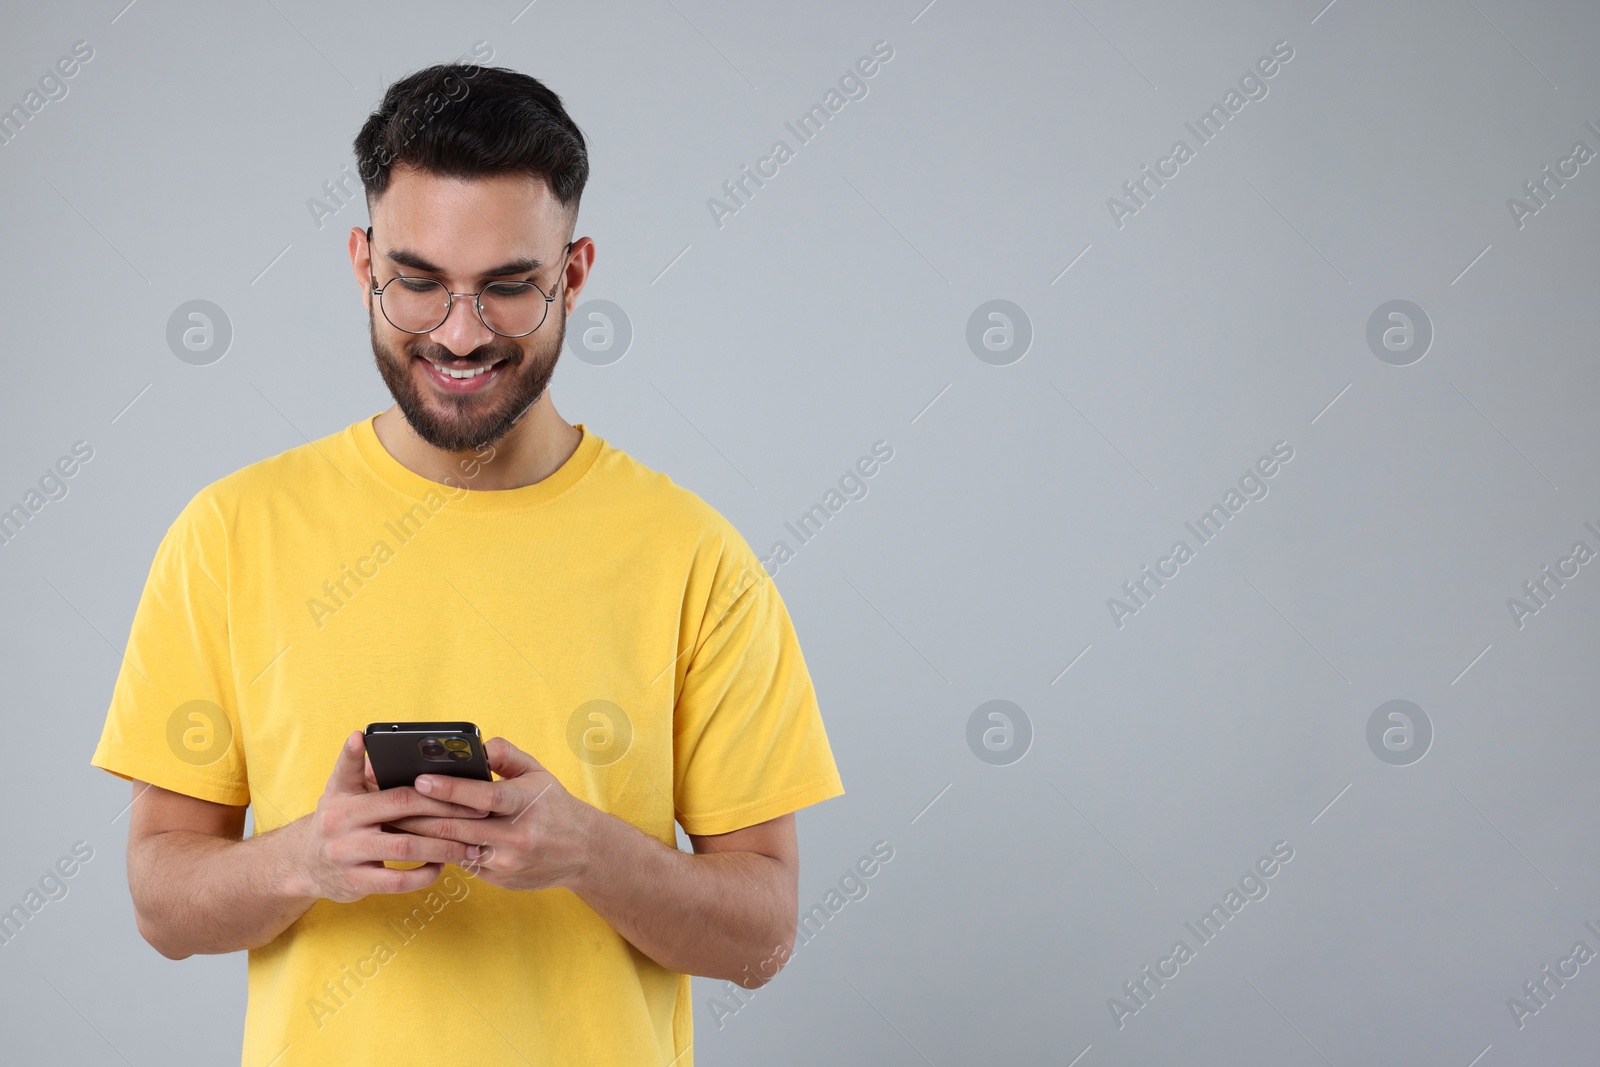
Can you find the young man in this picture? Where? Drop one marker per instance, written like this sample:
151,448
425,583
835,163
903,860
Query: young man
466,554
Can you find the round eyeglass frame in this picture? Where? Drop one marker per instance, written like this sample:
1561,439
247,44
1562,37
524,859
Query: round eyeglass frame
477,298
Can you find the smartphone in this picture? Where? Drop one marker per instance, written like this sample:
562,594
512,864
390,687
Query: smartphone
399,751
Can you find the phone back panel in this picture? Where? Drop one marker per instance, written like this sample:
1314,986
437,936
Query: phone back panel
399,751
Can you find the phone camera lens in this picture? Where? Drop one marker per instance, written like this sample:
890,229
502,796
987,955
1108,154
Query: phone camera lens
456,753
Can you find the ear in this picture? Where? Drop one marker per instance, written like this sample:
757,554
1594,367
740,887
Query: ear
361,262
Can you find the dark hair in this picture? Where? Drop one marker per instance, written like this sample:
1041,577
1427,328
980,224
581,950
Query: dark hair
461,120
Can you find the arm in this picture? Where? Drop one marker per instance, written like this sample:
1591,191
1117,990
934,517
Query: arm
196,885
728,911
199,886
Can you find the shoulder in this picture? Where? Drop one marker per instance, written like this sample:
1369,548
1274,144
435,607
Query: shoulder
266,486
652,496
678,522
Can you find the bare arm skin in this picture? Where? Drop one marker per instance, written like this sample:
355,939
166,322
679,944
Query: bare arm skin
196,885
728,911
199,886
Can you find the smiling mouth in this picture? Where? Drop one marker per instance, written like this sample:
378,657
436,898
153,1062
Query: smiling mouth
459,376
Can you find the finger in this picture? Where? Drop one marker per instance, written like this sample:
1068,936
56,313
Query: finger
507,760
347,778
459,831
387,805
482,861
407,847
499,797
378,879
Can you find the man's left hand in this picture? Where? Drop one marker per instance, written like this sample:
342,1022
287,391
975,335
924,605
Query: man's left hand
536,835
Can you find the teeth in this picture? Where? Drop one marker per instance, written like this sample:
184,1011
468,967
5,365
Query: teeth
458,374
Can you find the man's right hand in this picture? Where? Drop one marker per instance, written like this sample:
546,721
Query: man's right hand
345,843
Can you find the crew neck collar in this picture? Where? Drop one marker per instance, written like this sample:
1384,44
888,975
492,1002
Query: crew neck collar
475,501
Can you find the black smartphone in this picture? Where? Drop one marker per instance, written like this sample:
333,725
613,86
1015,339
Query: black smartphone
399,751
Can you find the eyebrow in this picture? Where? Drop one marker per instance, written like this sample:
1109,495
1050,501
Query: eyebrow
406,258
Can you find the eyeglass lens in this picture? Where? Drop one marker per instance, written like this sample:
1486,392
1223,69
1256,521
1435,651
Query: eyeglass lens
420,305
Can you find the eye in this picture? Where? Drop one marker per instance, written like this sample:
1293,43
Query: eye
417,285
509,289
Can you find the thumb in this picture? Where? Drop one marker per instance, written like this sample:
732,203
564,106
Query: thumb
507,760
349,770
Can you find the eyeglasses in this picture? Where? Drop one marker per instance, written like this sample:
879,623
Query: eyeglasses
421,305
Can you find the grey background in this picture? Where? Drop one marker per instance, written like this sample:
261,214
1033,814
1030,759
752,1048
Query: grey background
831,312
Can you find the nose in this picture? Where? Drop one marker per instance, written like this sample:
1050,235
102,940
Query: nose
462,330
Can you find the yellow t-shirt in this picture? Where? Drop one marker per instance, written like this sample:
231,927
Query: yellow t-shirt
605,620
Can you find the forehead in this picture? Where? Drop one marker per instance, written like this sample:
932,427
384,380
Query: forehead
468,224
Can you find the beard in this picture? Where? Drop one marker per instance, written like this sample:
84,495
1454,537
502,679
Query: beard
468,422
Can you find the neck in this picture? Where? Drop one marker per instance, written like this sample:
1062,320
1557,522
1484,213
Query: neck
533,449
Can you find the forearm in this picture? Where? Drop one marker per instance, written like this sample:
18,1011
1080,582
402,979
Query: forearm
197,893
718,915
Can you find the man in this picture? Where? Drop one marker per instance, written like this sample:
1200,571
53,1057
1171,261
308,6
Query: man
466,555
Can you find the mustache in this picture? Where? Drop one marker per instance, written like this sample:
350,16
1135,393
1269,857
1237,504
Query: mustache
488,354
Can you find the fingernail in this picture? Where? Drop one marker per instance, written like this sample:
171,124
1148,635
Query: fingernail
473,852
480,811
425,785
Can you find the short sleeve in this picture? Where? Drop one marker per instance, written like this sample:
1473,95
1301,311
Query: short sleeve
173,720
748,739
